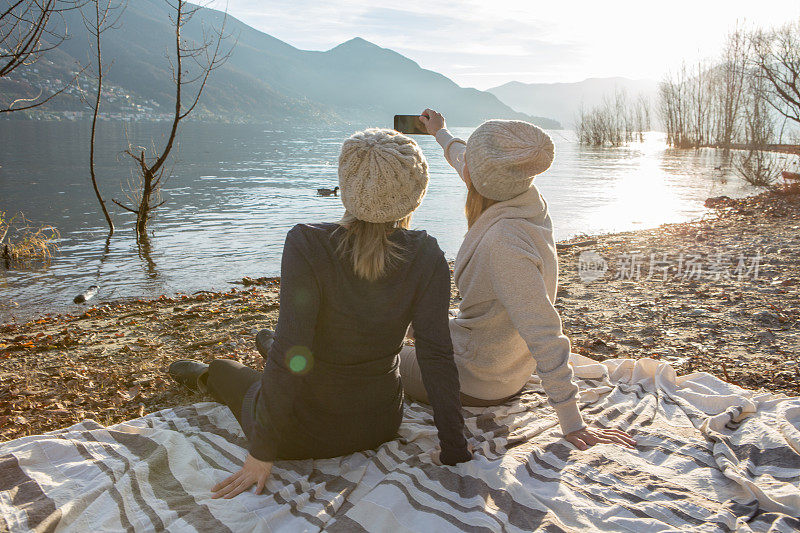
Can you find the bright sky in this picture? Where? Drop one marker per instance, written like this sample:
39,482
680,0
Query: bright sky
485,43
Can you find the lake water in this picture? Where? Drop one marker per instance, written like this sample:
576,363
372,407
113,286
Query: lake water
236,190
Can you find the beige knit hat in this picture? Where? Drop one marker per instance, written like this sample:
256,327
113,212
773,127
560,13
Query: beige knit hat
382,174
503,156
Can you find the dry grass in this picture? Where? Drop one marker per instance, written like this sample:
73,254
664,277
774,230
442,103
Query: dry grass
109,363
24,242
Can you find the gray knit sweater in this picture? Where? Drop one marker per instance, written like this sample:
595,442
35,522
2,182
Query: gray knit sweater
507,327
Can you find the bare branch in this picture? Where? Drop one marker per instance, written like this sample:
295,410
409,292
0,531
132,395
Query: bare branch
206,56
125,207
11,107
778,62
26,34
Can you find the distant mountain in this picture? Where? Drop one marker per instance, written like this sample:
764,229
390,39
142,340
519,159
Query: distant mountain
563,101
265,79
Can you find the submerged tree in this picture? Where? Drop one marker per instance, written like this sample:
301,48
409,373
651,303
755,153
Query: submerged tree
29,29
204,57
674,107
718,104
685,102
104,16
616,121
729,88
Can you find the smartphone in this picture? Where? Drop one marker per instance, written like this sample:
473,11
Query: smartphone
409,124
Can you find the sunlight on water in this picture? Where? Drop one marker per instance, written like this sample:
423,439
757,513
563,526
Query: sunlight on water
641,194
236,190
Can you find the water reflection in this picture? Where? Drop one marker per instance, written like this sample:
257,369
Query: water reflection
145,253
236,190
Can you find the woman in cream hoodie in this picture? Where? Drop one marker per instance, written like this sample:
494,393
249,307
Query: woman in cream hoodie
507,273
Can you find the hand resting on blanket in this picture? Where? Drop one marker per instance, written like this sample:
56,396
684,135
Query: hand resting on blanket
585,438
253,472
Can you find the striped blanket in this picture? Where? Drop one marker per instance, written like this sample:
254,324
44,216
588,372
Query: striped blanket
711,457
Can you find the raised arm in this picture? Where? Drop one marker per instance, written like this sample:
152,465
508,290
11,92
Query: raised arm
454,148
435,357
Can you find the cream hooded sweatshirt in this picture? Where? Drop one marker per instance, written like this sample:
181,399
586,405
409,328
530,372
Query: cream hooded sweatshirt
507,327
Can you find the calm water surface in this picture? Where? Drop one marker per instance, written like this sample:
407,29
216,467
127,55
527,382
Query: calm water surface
236,190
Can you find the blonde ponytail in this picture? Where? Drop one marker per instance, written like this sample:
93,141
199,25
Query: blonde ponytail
367,245
476,204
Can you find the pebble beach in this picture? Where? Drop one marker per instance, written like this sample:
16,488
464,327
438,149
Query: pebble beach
720,294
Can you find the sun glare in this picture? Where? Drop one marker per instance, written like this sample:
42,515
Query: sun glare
642,195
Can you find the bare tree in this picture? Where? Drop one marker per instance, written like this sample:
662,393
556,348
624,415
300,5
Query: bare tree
28,30
730,87
699,105
674,106
616,121
689,107
777,56
733,103
757,165
205,57
759,121
640,114
105,15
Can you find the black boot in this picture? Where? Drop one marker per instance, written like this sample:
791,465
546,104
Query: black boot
189,373
264,340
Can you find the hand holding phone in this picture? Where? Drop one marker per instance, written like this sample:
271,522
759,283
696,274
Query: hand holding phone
433,121
410,125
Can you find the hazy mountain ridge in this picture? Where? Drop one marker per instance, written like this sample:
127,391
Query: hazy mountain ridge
265,79
563,101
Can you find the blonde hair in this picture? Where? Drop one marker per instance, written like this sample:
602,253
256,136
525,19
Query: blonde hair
367,245
476,203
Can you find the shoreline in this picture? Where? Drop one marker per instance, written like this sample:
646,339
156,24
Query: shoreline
644,293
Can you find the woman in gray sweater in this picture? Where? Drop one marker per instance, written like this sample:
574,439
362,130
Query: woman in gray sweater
507,273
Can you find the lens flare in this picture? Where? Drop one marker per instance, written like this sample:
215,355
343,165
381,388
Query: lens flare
299,359
298,363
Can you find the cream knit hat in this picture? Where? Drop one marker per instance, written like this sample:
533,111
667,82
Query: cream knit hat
503,156
382,174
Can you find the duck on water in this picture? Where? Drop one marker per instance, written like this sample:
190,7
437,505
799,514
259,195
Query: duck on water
328,192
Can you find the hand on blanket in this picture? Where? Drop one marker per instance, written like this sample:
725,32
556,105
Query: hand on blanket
253,472
585,438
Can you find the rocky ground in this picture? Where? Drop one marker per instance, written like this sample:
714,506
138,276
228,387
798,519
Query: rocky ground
720,295
725,298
